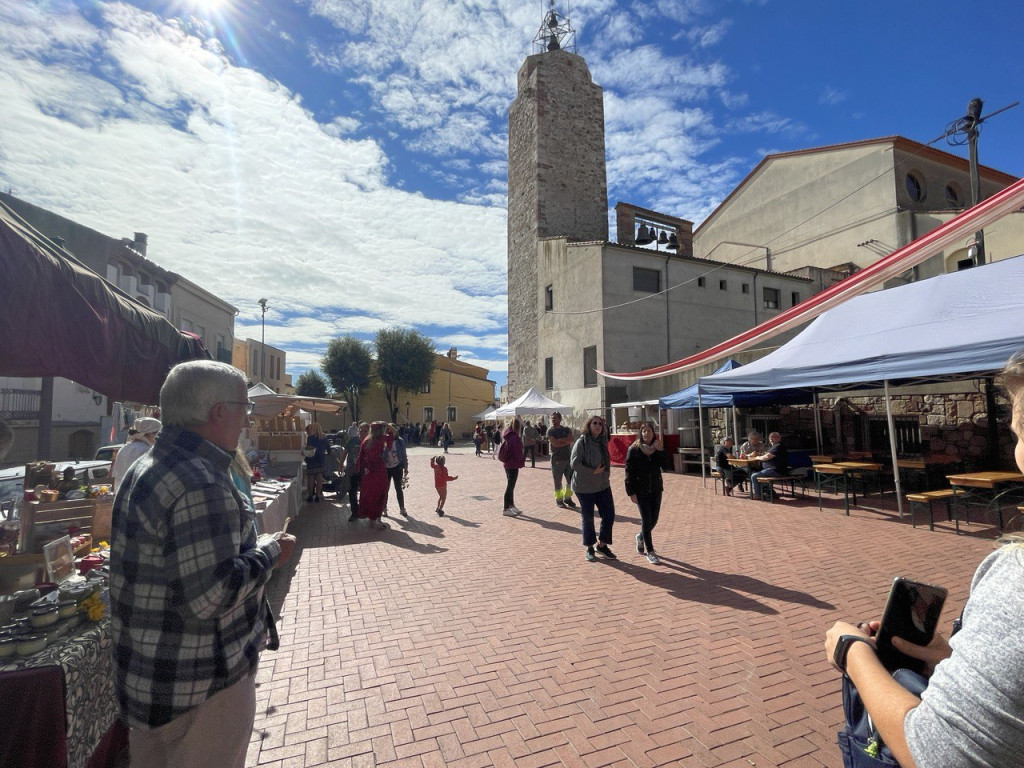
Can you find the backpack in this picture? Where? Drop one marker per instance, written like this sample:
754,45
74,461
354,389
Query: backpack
859,742
503,452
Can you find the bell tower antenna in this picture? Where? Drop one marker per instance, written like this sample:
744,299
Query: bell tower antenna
555,31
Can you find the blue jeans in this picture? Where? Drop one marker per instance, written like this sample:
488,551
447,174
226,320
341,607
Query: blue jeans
605,508
755,487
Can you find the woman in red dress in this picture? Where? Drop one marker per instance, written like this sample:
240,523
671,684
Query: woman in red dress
373,488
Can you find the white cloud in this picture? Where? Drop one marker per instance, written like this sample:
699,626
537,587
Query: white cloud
832,96
239,187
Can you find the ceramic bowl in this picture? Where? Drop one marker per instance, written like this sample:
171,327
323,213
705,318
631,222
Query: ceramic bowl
25,598
31,644
7,603
44,616
8,646
66,609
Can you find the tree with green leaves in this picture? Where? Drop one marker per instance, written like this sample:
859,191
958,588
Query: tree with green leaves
311,384
347,364
405,360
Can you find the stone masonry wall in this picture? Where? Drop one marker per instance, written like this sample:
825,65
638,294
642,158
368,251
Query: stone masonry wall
557,185
952,425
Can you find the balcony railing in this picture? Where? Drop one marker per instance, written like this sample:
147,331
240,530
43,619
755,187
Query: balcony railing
19,404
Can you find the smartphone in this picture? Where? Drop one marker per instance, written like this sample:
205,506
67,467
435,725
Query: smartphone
911,612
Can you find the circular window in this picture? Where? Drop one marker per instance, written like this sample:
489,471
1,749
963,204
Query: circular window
954,198
915,187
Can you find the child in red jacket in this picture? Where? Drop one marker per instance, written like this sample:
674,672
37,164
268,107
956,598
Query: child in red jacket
441,478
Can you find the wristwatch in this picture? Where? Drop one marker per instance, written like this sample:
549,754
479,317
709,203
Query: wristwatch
843,648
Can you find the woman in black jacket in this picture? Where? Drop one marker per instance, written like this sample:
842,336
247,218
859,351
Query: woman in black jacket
644,461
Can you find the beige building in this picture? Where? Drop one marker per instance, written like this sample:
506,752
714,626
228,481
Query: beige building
578,303
843,207
262,363
456,393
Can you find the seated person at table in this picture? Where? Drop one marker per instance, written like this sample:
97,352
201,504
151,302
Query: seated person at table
731,476
972,712
753,447
775,463
68,483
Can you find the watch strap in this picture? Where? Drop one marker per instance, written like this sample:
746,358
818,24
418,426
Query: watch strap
843,648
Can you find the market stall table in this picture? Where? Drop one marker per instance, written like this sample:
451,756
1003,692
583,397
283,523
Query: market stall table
988,489
282,499
90,701
831,474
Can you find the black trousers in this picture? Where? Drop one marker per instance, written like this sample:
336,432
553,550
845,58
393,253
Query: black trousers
395,473
354,480
649,505
510,487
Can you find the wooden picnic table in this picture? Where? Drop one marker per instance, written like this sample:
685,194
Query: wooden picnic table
988,489
842,470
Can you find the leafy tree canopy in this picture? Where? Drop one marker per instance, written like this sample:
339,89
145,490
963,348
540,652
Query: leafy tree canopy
347,364
405,360
311,384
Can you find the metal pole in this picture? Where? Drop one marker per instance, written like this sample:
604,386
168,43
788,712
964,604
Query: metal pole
817,424
892,449
974,115
700,431
263,338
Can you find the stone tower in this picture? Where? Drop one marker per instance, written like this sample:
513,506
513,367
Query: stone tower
557,186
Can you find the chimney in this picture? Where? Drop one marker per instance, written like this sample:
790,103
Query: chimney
141,240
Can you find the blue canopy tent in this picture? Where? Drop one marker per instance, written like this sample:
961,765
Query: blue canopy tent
958,326
688,398
692,398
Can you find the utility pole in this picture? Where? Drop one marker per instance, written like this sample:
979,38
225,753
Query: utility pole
966,130
973,124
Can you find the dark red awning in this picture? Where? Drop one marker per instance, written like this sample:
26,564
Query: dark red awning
59,318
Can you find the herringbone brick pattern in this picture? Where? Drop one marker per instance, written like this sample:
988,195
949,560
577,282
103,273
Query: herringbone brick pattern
481,640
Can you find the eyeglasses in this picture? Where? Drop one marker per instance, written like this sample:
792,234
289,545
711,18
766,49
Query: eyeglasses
250,406
598,422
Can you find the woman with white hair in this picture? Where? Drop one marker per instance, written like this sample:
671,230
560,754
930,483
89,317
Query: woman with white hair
141,437
972,711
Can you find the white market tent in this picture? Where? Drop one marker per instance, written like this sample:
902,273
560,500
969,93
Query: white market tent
531,402
957,326
487,414
269,404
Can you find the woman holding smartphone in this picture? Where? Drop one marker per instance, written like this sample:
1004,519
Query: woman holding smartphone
972,712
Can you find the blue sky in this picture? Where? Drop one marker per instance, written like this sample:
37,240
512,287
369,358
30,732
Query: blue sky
346,159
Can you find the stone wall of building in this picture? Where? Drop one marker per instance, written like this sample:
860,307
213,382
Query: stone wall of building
557,185
952,425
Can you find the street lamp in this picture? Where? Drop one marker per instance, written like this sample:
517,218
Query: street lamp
263,336
407,404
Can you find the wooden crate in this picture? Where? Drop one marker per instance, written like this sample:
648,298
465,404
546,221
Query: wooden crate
42,522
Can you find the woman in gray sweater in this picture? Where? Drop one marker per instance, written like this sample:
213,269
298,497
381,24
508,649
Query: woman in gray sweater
591,468
972,712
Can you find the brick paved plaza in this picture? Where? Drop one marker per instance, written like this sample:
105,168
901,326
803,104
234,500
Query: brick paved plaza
482,640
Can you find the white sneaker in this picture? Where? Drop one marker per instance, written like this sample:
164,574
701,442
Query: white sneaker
517,510
653,559
510,512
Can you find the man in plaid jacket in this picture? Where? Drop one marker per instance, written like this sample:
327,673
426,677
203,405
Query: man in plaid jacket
187,578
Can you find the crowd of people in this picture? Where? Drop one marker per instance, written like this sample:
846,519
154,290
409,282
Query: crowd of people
188,572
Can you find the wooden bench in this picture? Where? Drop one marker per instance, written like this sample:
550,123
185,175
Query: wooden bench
768,484
927,498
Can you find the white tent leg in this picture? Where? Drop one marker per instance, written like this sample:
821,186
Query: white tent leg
817,424
892,449
735,427
700,431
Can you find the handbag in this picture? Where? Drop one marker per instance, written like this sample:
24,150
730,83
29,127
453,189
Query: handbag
859,741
